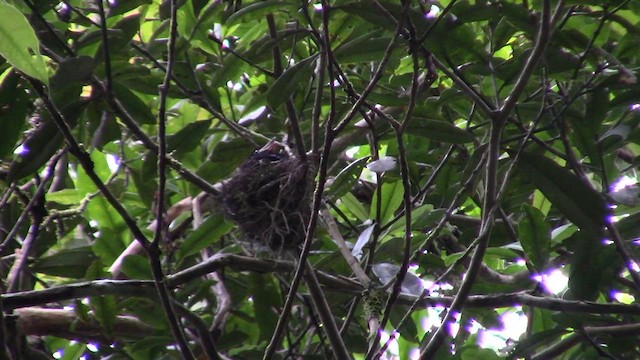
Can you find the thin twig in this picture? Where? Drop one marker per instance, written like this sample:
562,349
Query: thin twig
153,249
289,106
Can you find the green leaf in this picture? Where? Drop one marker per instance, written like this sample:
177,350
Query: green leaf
42,143
257,10
423,215
354,206
287,84
137,267
535,236
439,131
266,298
13,113
65,197
347,177
362,49
138,109
105,310
206,234
392,196
575,200
189,137
19,42
593,266
70,263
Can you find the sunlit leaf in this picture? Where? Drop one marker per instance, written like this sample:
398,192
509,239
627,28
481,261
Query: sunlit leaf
19,45
391,200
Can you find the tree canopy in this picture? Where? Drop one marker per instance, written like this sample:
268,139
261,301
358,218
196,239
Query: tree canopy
334,179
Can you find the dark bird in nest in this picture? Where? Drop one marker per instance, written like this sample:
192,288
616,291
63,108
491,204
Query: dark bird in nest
269,198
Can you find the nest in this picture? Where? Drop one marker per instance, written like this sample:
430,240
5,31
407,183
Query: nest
269,197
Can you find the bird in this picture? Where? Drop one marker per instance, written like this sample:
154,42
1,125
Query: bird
271,152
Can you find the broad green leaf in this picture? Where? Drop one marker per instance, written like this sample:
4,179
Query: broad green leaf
189,137
287,84
408,329
535,236
42,143
13,116
109,244
423,215
65,197
347,177
266,298
541,203
257,11
19,42
138,109
206,234
575,200
593,266
137,267
362,49
392,196
354,206
439,131
71,263
105,310
74,351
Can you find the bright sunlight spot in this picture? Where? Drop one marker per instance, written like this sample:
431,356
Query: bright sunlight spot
555,281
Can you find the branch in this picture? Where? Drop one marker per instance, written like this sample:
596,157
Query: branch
145,289
538,50
154,248
66,324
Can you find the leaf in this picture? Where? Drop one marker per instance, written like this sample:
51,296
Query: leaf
439,131
287,84
266,299
423,216
347,178
137,267
65,197
13,113
363,239
105,310
363,49
257,10
73,70
137,108
42,143
593,266
189,137
354,206
70,263
19,42
535,237
207,233
392,197
575,200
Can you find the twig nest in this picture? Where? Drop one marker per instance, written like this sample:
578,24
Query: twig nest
269,198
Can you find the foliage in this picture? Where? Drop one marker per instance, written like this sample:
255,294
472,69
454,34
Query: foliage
462,152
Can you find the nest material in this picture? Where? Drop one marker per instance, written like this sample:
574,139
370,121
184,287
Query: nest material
269,197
